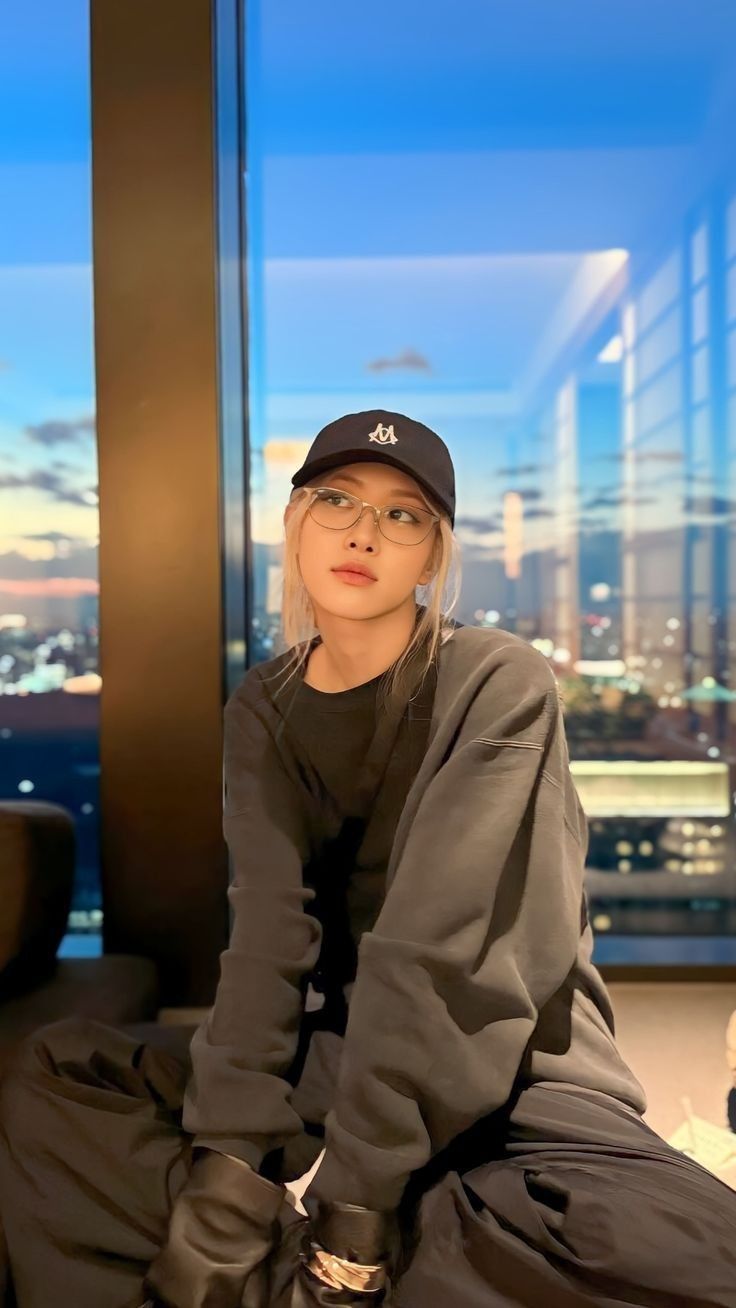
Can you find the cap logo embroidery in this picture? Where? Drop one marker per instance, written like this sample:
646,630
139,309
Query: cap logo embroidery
384,435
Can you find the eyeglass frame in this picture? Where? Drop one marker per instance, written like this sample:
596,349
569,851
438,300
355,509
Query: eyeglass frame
377,512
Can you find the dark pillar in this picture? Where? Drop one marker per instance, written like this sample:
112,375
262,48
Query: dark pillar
164,862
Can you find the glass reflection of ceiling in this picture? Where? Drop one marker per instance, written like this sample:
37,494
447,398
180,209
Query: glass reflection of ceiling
398,78
465,304
44,133
391,149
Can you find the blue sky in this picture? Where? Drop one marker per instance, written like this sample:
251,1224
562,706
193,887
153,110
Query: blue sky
48,515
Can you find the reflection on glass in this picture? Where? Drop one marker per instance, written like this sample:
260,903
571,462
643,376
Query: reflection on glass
635,789
544,270
49,525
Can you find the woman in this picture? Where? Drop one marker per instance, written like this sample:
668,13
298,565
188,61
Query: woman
407,986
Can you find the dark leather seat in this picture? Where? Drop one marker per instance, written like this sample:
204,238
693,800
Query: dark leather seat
37,864
37,861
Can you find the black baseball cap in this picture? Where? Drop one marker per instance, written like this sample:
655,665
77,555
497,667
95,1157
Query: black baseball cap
377,434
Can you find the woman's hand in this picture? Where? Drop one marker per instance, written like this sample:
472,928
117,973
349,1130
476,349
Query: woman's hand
348,1256
223,1227
310,1292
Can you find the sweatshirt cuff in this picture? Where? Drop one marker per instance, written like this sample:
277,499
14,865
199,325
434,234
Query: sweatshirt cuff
378,1187
251,1151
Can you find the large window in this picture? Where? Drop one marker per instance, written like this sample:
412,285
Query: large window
49,683
518,224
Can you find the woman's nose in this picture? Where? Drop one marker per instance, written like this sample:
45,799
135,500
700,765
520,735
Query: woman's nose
365,530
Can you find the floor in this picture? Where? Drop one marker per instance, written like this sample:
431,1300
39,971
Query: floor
673,1036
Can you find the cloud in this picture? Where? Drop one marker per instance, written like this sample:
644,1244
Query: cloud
477,525
658,456
58,432
643,456
522,470
710,505
617,501
65,587
51,483
605,502
53,536
408,360
81,561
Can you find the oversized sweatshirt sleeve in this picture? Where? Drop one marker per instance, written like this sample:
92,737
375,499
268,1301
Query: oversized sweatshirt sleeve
479,927
237,1100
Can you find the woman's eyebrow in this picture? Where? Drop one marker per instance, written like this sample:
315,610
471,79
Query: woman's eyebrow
407,494
400,493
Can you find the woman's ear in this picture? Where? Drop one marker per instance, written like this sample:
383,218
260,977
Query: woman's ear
433,562
429,573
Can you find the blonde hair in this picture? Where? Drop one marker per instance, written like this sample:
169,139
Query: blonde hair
439,597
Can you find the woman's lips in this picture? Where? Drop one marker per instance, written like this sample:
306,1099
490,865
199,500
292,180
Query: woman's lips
354,578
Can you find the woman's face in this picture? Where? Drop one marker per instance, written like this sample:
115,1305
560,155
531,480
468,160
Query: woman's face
398,569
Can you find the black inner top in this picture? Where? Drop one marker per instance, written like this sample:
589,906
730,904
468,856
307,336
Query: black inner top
348,871
335,730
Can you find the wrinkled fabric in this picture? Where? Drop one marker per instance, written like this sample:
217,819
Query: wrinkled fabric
566,1199
92,1161
586,1205
478,971
473,967
222,1232
308,878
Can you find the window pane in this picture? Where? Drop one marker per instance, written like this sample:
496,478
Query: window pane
49,682
541,268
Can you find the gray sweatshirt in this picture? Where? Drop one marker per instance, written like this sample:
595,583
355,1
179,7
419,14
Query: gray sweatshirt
475,977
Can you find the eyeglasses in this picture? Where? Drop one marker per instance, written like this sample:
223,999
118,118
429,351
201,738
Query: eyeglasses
400,523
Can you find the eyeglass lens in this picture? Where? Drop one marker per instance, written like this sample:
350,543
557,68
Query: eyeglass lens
400,523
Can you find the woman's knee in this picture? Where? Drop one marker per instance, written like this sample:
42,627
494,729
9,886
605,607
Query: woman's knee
48,1045
35,1060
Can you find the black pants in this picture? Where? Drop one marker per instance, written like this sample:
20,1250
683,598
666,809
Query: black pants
575,1202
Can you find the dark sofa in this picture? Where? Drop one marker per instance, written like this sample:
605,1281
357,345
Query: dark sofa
37,862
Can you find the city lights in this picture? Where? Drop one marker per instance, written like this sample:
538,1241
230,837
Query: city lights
602,922
544,646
